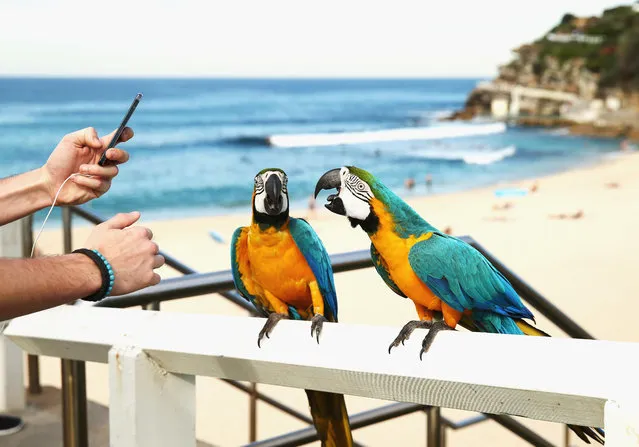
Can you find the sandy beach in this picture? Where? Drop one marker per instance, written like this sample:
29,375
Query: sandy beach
586,266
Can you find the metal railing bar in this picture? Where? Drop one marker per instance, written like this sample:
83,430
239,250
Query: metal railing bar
75,432
359,420
520,430
269,400
468,422
33,361
176,288
434,427
170,260
216,282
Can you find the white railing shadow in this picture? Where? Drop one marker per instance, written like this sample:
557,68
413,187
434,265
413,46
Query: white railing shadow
154,357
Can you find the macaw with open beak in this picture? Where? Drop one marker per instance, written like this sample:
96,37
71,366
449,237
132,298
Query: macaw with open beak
449,281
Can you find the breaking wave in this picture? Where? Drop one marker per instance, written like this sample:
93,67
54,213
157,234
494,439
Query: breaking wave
470,157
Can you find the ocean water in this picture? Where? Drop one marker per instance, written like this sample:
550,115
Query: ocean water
200,142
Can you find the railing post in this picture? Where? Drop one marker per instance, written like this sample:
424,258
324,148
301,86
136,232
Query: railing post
12,395
74,395
33,362
253,413
148,406
434,429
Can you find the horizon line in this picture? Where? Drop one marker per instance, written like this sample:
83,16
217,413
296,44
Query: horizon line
236,77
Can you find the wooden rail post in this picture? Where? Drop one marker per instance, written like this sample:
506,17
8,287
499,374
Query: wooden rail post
148,406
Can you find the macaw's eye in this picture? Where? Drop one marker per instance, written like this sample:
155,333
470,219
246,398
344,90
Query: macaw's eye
360,186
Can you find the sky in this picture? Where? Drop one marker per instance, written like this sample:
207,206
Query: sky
272,38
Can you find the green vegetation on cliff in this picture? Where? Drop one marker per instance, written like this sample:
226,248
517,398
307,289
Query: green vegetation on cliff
607,46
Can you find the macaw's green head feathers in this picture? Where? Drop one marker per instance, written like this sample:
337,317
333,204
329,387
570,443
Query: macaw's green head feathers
270,196
356,189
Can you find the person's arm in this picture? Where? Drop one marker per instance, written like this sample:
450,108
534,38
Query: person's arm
31,285
77,152
22,195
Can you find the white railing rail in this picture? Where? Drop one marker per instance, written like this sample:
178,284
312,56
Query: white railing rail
154,357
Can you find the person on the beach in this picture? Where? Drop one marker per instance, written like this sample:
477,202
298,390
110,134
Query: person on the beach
409,183
311,207
126,252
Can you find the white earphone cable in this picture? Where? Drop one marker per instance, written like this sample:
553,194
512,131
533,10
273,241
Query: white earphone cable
55,199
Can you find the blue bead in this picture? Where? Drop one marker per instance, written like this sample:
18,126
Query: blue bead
111,277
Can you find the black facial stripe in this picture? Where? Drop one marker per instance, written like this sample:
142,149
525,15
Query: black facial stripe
362,195
259,185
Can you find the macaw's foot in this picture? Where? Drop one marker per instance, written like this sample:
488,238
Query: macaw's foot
316,324
406,331
434,329
269,325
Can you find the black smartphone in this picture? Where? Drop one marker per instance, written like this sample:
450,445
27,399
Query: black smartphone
118,134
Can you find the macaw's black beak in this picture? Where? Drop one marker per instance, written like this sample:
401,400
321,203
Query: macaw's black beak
331,180
273,201
335,205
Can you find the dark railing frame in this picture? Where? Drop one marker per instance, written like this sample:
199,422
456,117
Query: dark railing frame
193,284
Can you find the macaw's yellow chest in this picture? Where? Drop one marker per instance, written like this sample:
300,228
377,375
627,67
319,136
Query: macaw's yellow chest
278,266
394,251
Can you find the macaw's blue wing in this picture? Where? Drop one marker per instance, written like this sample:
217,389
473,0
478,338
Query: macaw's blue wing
318,260
240,266
464,279
382,270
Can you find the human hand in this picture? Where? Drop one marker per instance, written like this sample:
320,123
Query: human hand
130,251
80,152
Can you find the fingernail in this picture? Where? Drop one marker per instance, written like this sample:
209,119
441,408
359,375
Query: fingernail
84,169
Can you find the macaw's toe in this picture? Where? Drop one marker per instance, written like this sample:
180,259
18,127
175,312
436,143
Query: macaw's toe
269,325
316,325
408,329
430,337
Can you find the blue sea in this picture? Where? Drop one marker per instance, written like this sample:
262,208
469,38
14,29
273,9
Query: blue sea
199,142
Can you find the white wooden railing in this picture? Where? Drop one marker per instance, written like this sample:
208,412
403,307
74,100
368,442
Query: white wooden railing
154,357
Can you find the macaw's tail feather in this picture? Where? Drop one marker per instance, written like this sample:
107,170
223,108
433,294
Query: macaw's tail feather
586,433
529,329
330,418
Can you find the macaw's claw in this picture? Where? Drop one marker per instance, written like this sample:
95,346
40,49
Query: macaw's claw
269,325
406,331
434,329
316,325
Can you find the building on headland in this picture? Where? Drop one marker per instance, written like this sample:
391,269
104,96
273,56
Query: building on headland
575,37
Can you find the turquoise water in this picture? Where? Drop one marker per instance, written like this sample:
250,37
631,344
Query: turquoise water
199,142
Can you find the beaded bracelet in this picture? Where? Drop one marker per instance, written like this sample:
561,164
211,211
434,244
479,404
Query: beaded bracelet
108,277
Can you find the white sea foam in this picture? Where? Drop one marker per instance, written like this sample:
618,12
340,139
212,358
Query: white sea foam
403,134
471,157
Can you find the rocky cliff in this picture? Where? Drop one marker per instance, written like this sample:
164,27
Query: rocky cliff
594,58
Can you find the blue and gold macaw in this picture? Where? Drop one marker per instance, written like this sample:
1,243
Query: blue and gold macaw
281,266
449,281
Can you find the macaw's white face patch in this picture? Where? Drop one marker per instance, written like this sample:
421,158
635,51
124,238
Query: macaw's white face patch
265,183
356,195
